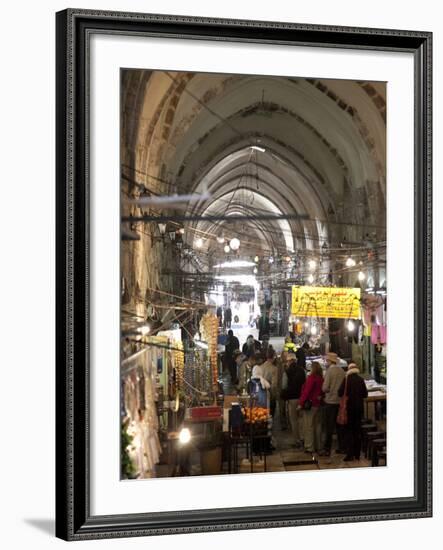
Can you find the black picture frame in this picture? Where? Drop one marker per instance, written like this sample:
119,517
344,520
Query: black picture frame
74,521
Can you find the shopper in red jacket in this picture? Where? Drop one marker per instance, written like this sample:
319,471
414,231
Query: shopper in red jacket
310,402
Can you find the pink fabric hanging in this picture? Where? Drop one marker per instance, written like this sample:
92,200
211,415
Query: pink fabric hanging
378,334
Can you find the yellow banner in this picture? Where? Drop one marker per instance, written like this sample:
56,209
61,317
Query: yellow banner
317,301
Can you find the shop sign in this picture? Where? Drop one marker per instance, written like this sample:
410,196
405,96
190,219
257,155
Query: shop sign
338,303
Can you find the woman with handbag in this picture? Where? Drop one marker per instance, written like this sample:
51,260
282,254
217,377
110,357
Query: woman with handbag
310,402
353,391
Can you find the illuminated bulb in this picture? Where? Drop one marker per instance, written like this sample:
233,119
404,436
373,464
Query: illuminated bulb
146,329
313,331
234,243
312,264
255,270
297,320
361,276
351,325
181,230
306,325
220,240
199,242
226,248
311,278
184,436
350,262
271,260
256,259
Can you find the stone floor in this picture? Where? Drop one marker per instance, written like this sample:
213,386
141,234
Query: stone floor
285,458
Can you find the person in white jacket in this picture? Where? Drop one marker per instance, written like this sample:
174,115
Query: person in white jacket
334,376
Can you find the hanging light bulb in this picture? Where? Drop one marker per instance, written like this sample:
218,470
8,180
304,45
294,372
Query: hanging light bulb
256,259
162,228
311,278
312,264
199,242
361,276
351,325
255,271
306,324
234,243
271,260
181,230
313,330
220,240
227,248
350,262
144,330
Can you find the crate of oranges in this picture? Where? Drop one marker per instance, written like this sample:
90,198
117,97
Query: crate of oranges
255,415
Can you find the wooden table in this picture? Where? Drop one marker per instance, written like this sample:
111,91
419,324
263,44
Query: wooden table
374,397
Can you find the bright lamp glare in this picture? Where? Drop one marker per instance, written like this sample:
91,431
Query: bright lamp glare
220,240
235,263
350,262
184,436
311,278
234,243
199,242
351,325
361,276
312,264
226,249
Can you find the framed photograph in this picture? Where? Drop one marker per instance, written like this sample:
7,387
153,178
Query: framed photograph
243,274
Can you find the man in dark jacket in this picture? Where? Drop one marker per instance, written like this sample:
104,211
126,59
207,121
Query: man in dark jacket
296,377
228,317
301,354
232,344
356,391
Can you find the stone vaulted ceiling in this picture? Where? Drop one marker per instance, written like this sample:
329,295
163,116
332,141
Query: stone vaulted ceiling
262,144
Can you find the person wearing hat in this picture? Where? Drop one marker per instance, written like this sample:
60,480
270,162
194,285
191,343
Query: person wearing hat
332,381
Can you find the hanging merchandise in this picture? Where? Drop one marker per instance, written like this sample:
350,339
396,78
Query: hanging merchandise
139,387
378,334
209,331
179,364
367,330
197,376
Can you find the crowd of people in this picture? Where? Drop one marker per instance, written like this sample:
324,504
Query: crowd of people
307,403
